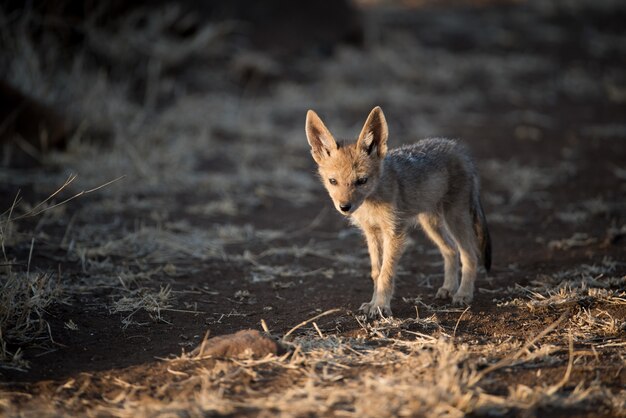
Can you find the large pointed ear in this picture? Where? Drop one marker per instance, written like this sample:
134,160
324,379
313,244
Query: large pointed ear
320,139
374,134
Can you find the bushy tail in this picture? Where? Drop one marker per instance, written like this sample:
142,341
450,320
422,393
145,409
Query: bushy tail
481,230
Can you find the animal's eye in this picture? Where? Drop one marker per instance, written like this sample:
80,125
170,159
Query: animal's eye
332,181
361,180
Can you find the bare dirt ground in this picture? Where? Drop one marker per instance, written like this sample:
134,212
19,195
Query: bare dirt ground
219,223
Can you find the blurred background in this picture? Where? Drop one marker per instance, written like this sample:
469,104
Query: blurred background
76,72
201,107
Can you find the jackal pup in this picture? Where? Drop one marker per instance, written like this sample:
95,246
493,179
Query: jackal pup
432,182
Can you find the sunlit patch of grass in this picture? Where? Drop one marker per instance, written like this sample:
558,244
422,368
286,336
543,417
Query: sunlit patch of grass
592,323
415,374
571,285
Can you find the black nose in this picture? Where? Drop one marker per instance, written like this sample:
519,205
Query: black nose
345,207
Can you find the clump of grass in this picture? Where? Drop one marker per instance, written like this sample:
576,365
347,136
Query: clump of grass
142,299
597,323
24,297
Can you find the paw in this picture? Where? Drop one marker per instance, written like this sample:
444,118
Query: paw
374,310
444,293
462,298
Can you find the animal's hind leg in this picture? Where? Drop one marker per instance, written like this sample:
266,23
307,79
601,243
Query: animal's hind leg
434,227
459,223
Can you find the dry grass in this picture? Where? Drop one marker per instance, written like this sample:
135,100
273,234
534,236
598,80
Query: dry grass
590,293
419,375
23,300
141,299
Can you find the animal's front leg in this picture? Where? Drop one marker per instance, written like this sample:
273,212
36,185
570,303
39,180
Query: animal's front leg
374,243
374,247
393,246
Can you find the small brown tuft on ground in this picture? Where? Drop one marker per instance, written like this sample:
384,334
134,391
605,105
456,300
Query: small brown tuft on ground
248,343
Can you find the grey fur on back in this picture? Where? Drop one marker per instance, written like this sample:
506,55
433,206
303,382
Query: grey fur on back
429,173
431,176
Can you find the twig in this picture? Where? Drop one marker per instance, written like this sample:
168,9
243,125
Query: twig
459,321
553,389
420,334
2,232
69,180
312,225
30,255
182,311
303,323
33,211
508,360
617,344
319,331
264,326
198,352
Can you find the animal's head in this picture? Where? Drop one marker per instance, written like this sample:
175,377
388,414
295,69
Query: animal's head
350,172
